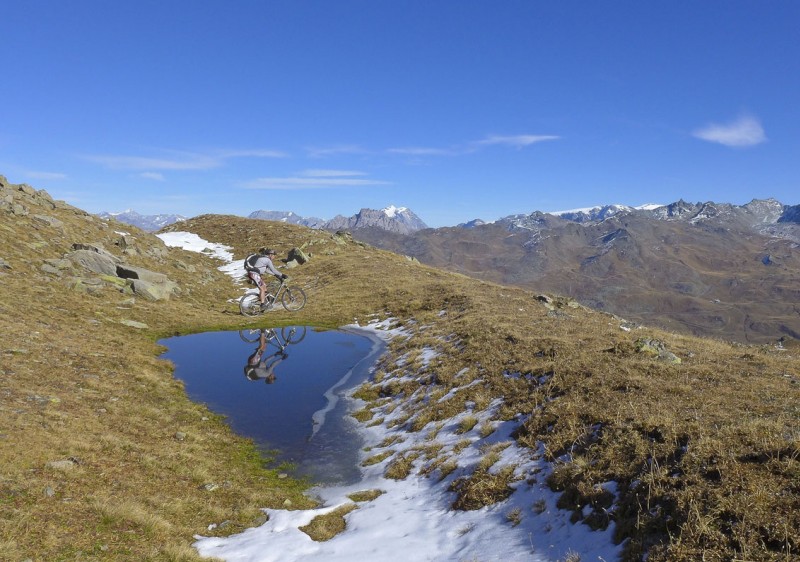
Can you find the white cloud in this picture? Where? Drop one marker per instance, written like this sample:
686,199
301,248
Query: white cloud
743,132
180,160
322,182
331,173
516,141
46,175
252,153
422,151
187,162
152,176
316,152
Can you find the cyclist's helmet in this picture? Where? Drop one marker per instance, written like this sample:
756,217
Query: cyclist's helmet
266,251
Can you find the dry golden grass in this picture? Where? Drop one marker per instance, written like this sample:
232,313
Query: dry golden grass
325,527
706,453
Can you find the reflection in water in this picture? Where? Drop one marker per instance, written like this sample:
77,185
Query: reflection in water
300,418
257,367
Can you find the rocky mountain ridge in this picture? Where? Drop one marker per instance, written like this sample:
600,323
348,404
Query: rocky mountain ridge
288,217
400,220
391,219
712,269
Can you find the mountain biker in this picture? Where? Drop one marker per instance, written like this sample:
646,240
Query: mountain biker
260,265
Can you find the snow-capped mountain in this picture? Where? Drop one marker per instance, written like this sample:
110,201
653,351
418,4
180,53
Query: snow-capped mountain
586,215
400,220
288,217
592,214
150,223
471,224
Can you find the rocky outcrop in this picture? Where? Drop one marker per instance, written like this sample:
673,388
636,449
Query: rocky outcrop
298,256
148,284
93,258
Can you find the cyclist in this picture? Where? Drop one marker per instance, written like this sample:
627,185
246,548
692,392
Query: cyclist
258,265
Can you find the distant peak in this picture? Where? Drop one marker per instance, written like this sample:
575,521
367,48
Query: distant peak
391,210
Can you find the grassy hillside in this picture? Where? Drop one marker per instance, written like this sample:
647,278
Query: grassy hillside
105,458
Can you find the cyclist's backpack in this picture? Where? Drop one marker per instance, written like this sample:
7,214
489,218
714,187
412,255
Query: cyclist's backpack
250,262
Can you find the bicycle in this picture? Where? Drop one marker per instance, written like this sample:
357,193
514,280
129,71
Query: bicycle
292,299
289,335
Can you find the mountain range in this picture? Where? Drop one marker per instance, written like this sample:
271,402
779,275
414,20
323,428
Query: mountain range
712,269
399,220
149,223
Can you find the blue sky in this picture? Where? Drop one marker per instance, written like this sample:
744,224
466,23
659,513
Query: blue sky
456,109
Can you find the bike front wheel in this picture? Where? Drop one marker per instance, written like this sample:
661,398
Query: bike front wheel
293,334
293,298
249,305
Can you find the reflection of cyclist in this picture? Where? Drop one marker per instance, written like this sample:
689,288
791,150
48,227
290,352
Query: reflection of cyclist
258,265
258,368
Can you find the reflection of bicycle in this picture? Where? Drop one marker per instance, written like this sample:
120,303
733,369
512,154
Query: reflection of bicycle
292,298
259,367
288,336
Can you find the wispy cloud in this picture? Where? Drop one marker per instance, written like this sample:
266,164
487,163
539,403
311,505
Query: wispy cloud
252,153
330,173
179,160
152,176
743,132
316,179
37,175
423,151
187,162
337,150
515,141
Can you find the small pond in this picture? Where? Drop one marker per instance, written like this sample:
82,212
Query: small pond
284,388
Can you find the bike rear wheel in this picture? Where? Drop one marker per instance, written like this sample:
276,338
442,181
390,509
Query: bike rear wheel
293,298
249,305
250,336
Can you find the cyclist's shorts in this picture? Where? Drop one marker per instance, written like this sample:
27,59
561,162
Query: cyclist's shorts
256,277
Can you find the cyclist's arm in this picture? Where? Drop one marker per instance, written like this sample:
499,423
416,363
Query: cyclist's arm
270,268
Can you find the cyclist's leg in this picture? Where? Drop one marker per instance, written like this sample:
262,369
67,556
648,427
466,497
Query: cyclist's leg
262,287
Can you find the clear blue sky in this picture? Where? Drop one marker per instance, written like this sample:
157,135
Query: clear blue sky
455,109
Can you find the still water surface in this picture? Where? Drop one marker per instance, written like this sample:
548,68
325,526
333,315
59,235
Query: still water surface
287,396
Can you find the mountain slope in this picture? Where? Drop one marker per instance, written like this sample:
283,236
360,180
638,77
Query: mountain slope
708,269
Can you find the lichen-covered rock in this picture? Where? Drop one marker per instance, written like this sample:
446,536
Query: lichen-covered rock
97,262
298,255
